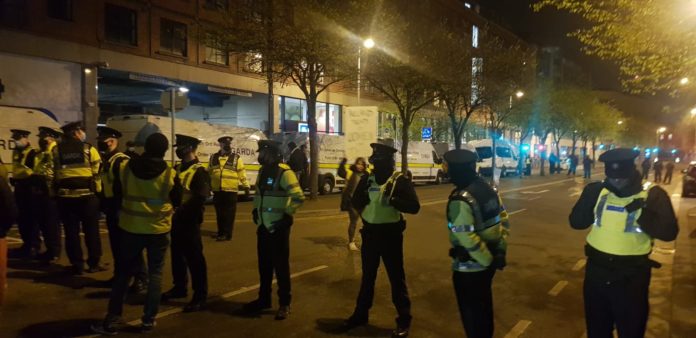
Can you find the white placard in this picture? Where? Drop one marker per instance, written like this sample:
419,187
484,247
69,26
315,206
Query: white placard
360,128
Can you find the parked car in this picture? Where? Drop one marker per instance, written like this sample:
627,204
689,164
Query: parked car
689,180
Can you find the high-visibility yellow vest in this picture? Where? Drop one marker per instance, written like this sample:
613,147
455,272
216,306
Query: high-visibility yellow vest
616,231
107,173
82,165
43,166
146,207
224,172
379,211
20,168
277,196
185,177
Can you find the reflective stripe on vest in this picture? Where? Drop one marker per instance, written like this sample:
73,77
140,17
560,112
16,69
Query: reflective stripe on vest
146,207
186,177
479,223
44,161
616,231
107,174
224,177
379,211
20,169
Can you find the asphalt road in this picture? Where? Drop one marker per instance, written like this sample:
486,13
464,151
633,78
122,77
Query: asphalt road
539,294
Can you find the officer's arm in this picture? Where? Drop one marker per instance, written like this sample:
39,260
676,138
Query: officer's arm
505,229
361,198
404,197
583,214
657,218
462,221
241,173
30,161
200,188
56,167
116,171
177,192
289,183
95,162
8,208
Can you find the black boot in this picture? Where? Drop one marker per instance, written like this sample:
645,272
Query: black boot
256,306
355,320
196,304
283,312
174,293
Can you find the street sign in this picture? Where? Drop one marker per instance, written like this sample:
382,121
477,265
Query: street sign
427,133
180,100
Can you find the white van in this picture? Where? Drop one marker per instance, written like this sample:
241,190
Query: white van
506,156
424,164
332,148
26,118
138,127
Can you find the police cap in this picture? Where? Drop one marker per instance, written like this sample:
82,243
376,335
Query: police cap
619,162
48,131
460,156
269,144
106,132
19,133
382,149
225,139
185,140
72,126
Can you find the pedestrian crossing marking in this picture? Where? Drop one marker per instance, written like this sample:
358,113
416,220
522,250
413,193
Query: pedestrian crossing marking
518,329
580,264
558,288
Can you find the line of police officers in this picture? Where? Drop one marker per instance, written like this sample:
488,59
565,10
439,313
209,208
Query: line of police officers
624,216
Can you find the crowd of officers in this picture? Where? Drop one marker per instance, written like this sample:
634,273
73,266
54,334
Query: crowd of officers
148,205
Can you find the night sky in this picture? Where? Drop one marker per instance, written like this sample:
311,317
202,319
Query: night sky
550,28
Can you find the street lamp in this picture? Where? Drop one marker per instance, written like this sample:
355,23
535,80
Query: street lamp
620,122
367,43
519,94
684,81
658,132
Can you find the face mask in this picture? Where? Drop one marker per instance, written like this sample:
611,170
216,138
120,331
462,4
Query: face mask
618,183
227,148
131,149
180,153
102,146
83,136
21,144
267,157
43,143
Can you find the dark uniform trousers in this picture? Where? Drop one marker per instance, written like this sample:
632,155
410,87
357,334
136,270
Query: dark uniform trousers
187,256
47,218
225,209
27,217
475,300
73,212
273,250
385,242
616,296
111,208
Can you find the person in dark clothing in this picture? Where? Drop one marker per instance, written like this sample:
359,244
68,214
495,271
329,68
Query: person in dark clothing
587,167
669,170
148,190
658,166
42,196
23,162
352,177
130,150
645,165
187,246
297,161
553,163
380,198
573,165
8,217
617,274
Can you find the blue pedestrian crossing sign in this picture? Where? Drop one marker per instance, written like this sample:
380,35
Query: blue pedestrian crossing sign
427,133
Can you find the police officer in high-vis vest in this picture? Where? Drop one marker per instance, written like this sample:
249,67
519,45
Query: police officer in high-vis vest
149,191
76,184
278,196
624,217
23,161
478,226
187,246
227,174
42,195
107,143
381,198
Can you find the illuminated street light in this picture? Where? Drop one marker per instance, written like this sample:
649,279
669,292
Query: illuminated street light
183,89
693,112
684,81
661,129
519,94
620,122
369,43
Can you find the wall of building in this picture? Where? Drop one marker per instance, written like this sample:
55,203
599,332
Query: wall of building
42,83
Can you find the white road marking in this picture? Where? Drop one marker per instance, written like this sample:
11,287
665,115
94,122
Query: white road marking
226,295
536,192
577,193
507,191
534,198
518,329
558,288
580,264
516,211
676,195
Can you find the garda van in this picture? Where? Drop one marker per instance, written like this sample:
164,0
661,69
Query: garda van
506,156
424,164
138,127
26,118
332,149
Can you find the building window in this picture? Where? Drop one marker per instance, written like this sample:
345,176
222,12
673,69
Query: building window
173,37
294,114
120,25
217,4
474,36
253,62
215,53
60,9
476,69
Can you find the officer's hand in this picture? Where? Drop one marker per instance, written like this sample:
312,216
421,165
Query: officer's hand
344,161
283,223
460,253
635,205
499,262
255,216
247,191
